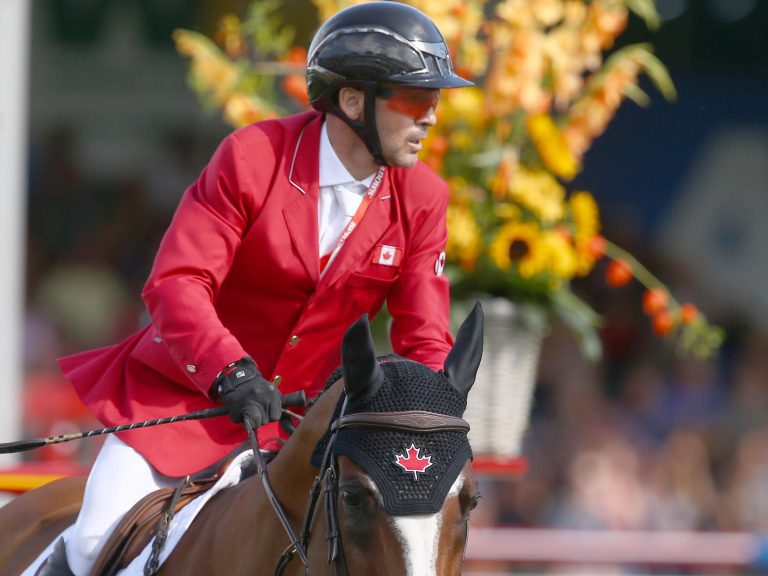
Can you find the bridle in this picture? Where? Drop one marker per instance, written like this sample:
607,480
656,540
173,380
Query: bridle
407,421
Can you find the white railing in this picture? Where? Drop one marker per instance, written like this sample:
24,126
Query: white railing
594,547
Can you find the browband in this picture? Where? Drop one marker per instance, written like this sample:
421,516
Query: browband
409,421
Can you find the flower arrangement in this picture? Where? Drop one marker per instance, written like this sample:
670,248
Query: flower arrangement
548,82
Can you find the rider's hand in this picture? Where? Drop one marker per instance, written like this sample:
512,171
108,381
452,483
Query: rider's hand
245,392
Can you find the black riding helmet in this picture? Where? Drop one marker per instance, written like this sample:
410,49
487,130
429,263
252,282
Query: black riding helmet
373,43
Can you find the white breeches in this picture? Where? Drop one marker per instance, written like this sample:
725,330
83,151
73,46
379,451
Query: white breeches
120,477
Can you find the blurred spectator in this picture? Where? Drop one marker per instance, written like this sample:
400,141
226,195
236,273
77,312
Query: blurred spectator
744,504
604,488
682,492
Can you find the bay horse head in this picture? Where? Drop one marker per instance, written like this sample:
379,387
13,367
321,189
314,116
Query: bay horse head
396,462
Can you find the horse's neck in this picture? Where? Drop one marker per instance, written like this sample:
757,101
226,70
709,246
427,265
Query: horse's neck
243,515
292,465
291,473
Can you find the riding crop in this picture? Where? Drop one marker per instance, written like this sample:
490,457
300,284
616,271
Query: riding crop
293,399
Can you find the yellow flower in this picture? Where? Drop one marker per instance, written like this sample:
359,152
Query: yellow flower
505,211
241,109
473,56
560,256
586,222
540,192
547,12
516,77
465,106
464,242
519,245
505,174
551,146
211,70
516,13
461,140
586,215
229,35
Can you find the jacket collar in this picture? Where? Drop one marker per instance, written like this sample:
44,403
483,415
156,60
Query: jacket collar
304,166
301,218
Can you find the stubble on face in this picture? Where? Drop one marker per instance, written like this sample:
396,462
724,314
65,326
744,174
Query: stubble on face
400,136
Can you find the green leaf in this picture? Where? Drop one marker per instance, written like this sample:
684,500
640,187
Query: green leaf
582,319
658,73
637,95
645,9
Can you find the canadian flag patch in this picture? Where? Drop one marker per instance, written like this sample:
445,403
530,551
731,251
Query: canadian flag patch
387,255
413,462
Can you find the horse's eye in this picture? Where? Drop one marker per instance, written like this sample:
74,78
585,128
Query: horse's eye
350,499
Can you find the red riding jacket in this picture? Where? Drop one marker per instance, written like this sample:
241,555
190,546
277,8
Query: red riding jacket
238,273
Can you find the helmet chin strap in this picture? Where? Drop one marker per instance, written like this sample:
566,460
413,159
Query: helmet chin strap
365,129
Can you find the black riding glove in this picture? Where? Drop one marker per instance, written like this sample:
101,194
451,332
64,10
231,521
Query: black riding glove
245,392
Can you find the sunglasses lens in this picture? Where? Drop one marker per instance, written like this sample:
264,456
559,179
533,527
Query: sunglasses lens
413,102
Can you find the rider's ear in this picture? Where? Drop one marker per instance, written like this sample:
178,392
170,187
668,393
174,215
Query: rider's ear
362,375
464,358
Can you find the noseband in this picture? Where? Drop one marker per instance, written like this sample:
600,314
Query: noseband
407,421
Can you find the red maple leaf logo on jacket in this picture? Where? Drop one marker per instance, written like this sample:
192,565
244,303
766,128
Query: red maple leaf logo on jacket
411,461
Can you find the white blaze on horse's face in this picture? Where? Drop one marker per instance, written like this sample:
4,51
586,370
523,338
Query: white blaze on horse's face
419,534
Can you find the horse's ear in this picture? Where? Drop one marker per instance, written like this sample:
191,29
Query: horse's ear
362,375
464,358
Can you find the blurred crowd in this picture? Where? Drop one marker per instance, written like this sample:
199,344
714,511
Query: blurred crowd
643,440
90,245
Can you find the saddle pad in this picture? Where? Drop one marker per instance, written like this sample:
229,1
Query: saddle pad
140,523
179,525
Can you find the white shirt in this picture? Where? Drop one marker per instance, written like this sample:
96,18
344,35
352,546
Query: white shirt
340,195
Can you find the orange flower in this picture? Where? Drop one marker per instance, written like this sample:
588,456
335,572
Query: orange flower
662,323
618,273
295,86
688,313
655,300
596,246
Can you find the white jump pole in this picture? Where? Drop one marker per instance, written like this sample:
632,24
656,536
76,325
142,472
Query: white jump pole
14,62
630,547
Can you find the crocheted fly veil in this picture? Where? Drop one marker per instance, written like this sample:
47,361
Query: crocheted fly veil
413,471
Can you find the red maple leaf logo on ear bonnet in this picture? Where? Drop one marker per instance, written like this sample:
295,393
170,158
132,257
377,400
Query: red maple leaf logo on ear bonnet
411,461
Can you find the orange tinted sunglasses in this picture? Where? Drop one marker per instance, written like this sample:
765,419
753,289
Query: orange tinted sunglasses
413,102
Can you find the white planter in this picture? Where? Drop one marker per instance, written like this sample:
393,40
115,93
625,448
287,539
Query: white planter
499,404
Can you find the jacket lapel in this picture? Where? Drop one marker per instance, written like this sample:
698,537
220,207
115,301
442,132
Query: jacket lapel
360,243
300,211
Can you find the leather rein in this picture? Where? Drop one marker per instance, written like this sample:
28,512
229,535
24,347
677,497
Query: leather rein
406,421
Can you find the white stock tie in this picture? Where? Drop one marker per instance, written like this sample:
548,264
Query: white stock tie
348,197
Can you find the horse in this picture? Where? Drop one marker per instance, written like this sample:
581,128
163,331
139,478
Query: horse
386,442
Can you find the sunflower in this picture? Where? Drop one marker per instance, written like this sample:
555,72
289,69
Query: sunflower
518,245
560,256
540,192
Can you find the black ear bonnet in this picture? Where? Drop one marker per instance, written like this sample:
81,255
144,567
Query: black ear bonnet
413,471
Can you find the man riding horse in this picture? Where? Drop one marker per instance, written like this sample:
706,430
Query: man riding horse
294,229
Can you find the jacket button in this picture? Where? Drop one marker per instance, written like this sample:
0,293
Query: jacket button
191,368
293,341
277,379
